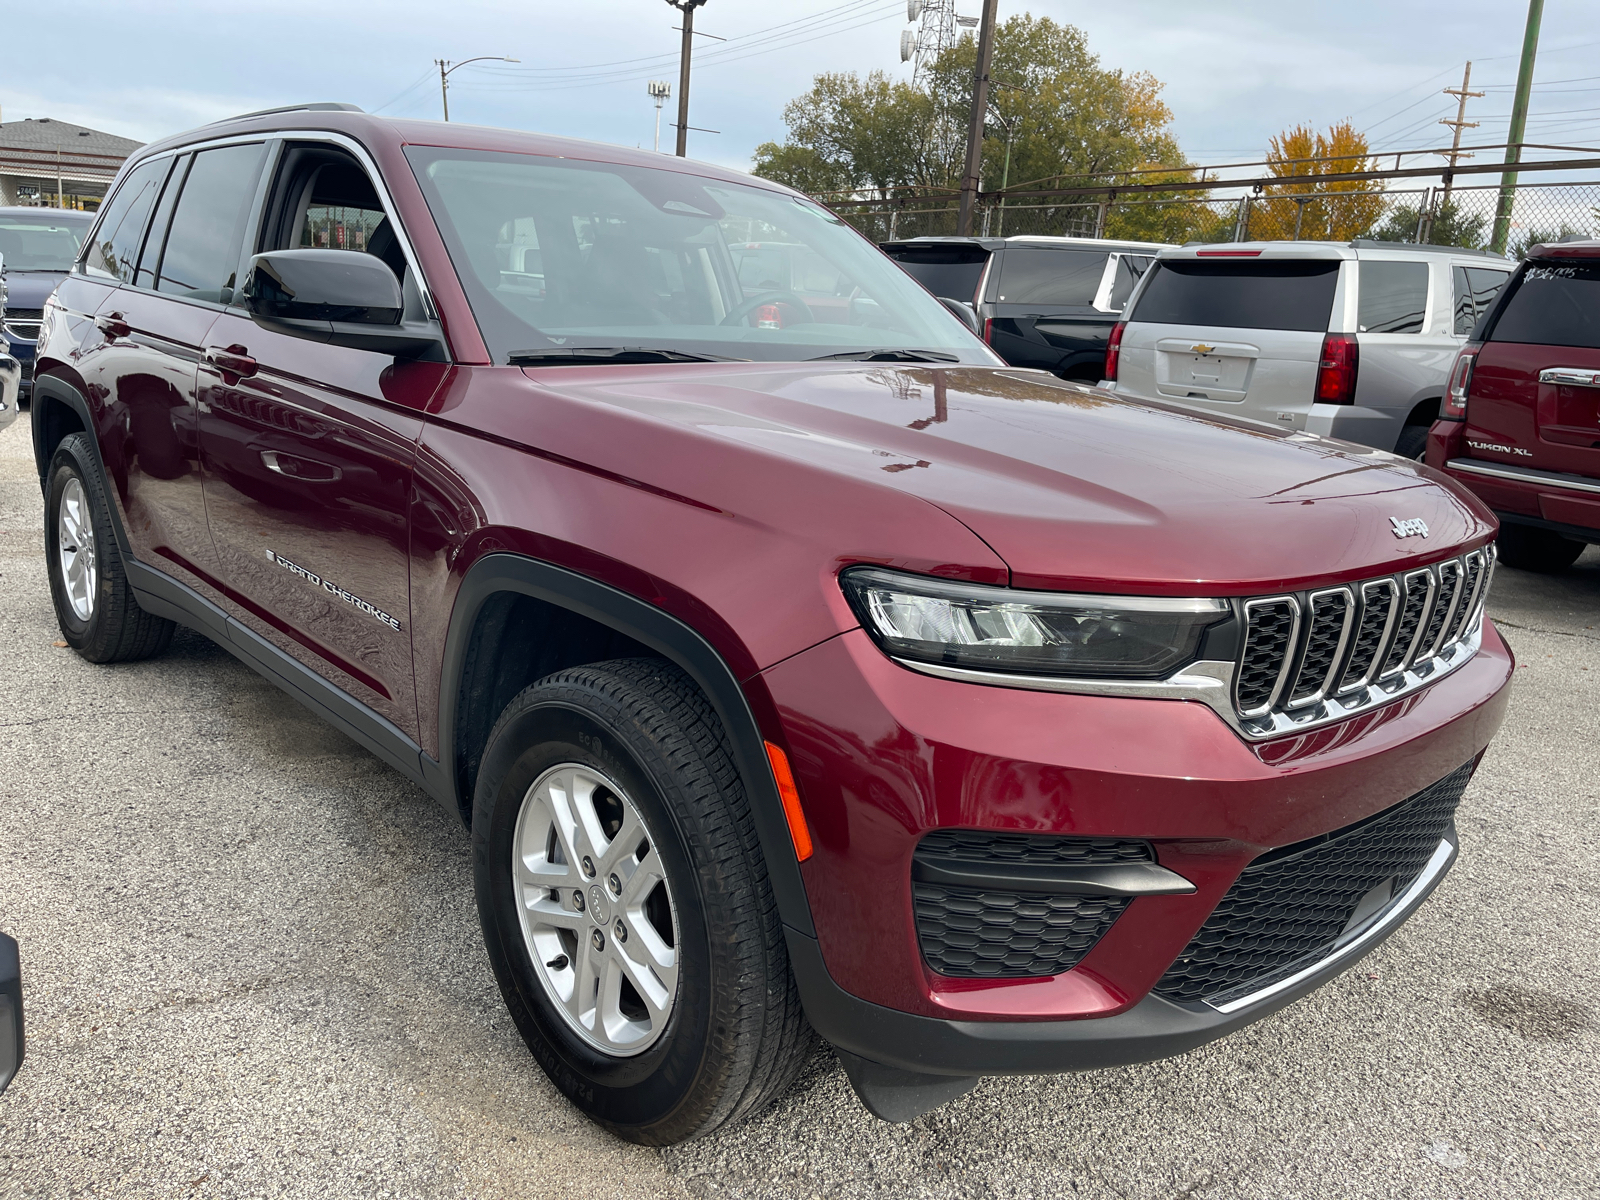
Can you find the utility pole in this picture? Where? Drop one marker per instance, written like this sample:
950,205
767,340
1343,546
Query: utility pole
446,69
980,109
1458,125
660,91
686,7
1519,122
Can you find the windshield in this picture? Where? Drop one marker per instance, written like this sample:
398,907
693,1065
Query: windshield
42,243
560,253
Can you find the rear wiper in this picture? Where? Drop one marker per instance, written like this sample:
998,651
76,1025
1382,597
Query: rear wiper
608,354
888,356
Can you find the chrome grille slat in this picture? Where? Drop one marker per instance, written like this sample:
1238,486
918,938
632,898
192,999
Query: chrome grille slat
1313,657
1331,616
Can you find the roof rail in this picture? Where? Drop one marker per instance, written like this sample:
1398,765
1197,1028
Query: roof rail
318,106
1423,247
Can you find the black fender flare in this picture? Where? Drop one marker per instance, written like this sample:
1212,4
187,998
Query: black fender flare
647,624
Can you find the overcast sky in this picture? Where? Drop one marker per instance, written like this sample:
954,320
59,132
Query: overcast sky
1236,71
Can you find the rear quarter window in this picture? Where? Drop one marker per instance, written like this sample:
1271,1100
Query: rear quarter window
1552,304
1050,276
1234,294
1394,297
952,271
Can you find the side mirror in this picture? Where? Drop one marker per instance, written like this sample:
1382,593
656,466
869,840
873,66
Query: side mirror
968,315
11,1043
342,297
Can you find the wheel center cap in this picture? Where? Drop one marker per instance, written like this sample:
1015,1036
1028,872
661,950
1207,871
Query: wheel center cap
598,908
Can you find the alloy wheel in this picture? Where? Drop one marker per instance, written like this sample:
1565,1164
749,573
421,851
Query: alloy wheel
596,909
75,545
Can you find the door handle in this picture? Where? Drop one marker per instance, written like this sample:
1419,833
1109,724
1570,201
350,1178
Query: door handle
304,470
1571,376
113,326
235,360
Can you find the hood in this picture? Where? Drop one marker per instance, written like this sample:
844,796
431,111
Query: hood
30,289
1072,487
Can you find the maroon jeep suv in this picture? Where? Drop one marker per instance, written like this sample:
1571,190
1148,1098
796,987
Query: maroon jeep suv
795,668
1520,425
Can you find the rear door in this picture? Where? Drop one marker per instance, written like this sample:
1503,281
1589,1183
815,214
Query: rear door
1535,398
1236,335
1407,340
1050,308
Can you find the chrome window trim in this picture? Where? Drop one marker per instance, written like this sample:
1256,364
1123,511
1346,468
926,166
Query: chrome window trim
1289,650
1397,911
1337,665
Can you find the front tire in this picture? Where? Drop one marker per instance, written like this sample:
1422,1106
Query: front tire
1530,548
94,602
626,907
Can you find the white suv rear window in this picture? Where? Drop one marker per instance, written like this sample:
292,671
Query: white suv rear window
1235,294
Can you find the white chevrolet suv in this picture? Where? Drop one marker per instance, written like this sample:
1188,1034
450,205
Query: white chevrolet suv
1350,340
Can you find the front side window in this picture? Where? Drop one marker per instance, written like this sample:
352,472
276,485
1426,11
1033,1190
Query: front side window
1394,297
1475,290
202,250
1553,304
115,252
1064,277
560,254
1288,294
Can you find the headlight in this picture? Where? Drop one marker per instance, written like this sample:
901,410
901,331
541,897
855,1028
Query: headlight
1028,633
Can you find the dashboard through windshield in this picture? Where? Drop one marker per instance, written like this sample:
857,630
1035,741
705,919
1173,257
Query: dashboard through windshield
561,253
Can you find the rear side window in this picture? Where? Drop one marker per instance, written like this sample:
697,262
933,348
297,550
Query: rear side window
207,237
1394,297
1475,289
116,243
1130,269
952,271
1553,304
1050,276
1272,294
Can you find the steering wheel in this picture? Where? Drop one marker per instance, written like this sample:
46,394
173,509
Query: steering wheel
756,301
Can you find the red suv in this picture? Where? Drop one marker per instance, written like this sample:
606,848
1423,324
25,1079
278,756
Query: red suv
1521,423
794,668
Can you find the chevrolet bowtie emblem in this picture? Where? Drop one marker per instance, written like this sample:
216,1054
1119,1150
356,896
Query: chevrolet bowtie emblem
1202,348
1404,528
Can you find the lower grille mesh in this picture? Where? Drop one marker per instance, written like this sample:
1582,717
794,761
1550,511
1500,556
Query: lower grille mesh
1289,907
997,933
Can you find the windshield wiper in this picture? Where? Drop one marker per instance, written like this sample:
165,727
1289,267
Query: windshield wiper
571,355
889,355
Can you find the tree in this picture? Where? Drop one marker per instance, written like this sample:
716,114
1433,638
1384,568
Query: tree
1331,211
1450,226
1065,119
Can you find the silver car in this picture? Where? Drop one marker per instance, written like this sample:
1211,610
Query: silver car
10,368
1350,340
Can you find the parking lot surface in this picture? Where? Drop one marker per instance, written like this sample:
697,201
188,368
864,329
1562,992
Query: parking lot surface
252,968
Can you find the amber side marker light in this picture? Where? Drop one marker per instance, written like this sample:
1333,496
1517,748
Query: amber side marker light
790,795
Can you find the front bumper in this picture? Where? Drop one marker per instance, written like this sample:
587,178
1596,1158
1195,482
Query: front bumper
885,755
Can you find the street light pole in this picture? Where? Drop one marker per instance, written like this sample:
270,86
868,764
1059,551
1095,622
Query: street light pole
446,68
980,109
686,7
1519,122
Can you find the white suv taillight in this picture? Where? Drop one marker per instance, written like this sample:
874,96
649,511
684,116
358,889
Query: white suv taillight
1454,407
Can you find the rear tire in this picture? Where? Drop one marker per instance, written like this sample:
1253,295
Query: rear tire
592,778
1530,548
1412,442
95,606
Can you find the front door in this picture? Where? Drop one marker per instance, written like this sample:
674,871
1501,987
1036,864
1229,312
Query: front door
308,451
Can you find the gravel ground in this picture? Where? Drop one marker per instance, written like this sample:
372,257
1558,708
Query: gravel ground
253,969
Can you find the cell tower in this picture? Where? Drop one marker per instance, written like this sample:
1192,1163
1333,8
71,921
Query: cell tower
937,28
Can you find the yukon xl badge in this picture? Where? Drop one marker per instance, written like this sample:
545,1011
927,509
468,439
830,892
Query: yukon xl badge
1404,527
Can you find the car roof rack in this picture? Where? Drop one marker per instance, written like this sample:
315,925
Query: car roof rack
317,106
1423,247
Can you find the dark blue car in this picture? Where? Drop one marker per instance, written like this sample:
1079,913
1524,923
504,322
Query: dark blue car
37,248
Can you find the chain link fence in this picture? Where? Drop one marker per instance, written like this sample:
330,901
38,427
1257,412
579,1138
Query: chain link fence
1451,216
